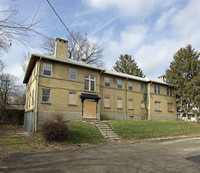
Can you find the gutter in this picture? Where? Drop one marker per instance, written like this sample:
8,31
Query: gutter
37,94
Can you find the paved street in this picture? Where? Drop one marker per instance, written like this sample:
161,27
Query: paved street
181,155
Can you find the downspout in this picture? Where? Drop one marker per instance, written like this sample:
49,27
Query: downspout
126,97
101,93
36,104
114,97
149,96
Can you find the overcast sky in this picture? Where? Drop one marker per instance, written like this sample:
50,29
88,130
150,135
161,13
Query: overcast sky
149,30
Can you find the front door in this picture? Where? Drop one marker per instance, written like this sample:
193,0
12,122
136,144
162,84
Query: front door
89,109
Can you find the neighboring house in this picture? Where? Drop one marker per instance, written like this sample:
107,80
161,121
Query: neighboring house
78,91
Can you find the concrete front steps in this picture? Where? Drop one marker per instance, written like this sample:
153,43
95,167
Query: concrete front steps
106,131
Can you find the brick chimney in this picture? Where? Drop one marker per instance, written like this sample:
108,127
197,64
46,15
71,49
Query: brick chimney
61,49
83,61
161,78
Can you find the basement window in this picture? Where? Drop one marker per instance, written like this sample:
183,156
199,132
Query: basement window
46,95
47,68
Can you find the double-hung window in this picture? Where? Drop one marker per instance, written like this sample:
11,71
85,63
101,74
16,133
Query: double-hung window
130,86
73,74
90,82
142,87
47,68
107,81
46,95
119,84
156,89
33,98
169,91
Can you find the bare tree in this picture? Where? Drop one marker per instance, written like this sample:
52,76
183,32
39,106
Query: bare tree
24,62
13,29
79,47
49,45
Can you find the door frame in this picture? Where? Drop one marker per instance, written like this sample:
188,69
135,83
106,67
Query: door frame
89,97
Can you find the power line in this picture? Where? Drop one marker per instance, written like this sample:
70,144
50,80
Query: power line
64,25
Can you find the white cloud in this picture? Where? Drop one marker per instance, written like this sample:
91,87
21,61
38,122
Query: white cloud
164,19
130,8
187,19
130,39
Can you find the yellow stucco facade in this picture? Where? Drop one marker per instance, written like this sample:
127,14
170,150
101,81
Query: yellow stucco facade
63,86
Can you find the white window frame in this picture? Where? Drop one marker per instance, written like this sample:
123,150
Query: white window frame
130,84
49,96
169,91
89,78
156,89
70,73
119,83
107,81
47,70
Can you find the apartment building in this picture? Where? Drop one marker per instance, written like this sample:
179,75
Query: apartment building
78,91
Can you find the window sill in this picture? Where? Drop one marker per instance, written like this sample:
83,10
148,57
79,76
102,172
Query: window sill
72,105
131,109
73,79
47,75
107,107
120,108
48,103
171,111
158,111
90,91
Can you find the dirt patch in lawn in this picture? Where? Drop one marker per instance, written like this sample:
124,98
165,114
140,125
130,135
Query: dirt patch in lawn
14,138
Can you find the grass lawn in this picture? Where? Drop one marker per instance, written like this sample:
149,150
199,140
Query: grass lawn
151,129
81,132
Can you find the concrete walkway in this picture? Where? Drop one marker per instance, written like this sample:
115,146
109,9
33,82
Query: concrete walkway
181,155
